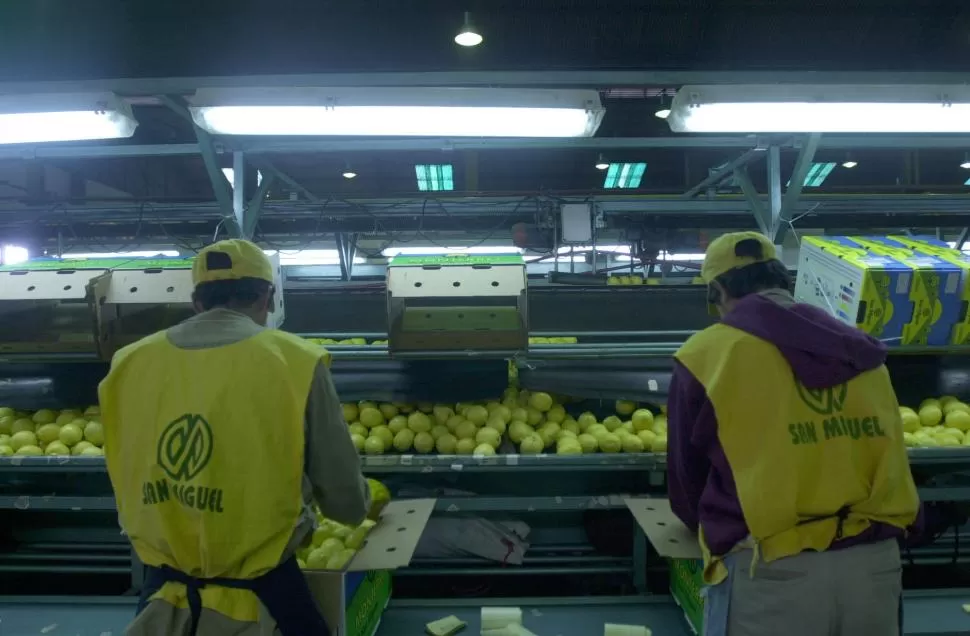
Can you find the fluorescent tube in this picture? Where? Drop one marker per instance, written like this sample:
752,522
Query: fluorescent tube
823,109
430,112
63,117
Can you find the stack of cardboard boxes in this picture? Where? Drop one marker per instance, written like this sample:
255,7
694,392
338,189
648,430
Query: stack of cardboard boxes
904,291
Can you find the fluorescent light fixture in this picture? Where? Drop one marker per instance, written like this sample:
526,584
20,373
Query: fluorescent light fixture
410,112
64,117
137,254
13,254
434,250
435,177
966,183
616,249
624,175
469,35
670,258
785,108
849,163
314,257
816,174
230,175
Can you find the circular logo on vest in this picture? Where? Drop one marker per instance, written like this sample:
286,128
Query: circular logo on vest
185,447
826,401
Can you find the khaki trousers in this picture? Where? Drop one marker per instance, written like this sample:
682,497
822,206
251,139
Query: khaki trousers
851,592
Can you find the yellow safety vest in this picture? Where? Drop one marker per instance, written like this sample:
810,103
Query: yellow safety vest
799,455
205,451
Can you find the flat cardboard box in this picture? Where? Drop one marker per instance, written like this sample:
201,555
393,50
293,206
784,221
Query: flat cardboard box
669,536
390,545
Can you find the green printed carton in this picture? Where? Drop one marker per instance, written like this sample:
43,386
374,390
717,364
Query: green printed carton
960,334
935,291
686,583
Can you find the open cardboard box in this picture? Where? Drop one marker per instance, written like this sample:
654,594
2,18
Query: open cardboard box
671,538
668,534
352,600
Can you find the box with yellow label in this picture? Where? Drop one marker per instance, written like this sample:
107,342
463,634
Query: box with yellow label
856,286
935,291
960,334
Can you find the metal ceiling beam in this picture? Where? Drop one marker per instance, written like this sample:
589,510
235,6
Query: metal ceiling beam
726,170
336,145
462,208
221,187
601,79
269,168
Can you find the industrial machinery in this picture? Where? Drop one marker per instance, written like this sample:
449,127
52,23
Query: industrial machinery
60,530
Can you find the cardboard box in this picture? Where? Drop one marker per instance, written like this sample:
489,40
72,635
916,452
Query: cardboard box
686,583
935,292
960,334
352,601
369,594
870,291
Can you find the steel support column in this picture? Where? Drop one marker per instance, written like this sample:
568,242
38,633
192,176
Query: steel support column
346,250
255,208
754,200
962,238
774,189
802,165
239,188
723,172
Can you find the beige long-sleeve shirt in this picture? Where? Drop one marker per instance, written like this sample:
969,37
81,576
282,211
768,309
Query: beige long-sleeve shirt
332,476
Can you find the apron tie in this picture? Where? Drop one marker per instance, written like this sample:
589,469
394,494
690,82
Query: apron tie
841,515
283,591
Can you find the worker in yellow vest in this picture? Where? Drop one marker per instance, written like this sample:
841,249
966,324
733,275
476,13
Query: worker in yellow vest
786,454
219,436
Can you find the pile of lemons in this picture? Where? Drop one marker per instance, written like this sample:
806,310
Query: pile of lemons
462,429
557,340
334,545
541,423
48,432
535,422
943,421
345,341
626,280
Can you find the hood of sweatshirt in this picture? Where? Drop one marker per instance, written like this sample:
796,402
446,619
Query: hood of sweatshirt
822,351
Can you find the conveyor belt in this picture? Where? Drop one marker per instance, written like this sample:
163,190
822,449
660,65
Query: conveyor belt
546,617
931,613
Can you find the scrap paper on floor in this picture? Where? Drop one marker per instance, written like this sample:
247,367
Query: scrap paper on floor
447,626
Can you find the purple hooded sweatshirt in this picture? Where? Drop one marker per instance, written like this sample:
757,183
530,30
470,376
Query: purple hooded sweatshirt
822,352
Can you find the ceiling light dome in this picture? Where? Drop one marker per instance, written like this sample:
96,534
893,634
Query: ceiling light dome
469,35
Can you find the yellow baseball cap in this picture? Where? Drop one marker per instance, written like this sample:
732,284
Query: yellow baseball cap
721,257
231,259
